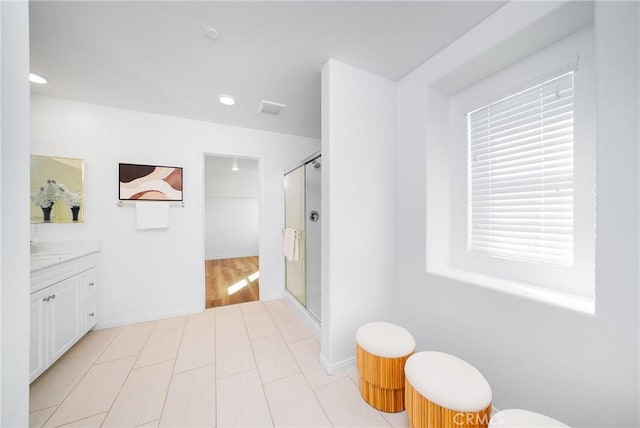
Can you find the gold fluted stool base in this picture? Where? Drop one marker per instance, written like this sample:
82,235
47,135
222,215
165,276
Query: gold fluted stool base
381,352
381,380
423,413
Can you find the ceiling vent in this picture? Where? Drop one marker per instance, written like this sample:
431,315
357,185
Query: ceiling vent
269,107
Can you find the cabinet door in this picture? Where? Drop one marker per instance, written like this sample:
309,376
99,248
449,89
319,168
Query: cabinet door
37,337
64,311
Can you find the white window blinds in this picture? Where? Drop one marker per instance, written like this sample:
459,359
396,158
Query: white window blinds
521,175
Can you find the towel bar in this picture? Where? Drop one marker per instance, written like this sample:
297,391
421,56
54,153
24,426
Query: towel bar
132,203
301,233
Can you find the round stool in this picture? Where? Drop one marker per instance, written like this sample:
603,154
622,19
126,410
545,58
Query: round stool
443,391
381,351
518,418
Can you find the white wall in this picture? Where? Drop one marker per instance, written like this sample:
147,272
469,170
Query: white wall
153,274
14,214
578,368
358,183
231,211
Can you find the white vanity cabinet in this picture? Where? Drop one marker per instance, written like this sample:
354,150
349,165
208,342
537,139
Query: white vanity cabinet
88,297
63,309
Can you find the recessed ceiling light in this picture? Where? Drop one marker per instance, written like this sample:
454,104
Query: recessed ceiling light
227,100
235,167
212,33
34,78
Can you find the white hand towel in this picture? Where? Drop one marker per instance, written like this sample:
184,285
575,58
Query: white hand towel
291,244
152,215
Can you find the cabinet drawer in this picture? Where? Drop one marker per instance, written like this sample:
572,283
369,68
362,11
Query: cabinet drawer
89,286
89,316
54,274
87,262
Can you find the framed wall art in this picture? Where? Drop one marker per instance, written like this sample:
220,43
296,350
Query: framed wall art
149,183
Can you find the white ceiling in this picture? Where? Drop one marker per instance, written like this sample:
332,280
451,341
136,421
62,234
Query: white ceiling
154,56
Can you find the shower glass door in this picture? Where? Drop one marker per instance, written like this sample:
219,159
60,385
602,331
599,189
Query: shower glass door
294,218
302,213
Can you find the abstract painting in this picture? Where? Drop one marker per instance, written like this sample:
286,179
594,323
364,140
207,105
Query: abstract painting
150,182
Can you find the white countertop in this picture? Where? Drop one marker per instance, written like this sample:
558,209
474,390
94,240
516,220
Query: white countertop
50,253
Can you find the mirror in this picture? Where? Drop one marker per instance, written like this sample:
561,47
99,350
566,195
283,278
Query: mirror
57,191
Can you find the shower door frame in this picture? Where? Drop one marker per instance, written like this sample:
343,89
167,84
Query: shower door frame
295,299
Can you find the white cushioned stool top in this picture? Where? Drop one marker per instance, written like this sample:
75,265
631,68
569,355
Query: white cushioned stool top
448,381
385,340
517,418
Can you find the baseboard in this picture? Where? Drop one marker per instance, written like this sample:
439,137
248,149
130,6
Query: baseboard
229,256
338,367
153,317
310,321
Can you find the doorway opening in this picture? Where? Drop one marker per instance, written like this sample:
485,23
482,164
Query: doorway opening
231,212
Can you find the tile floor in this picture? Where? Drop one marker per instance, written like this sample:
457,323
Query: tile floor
248,365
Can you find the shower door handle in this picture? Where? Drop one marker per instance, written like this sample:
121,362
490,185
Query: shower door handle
314,216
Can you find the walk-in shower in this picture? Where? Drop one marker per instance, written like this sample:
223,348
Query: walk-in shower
303,219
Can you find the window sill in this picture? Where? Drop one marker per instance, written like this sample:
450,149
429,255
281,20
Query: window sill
565,300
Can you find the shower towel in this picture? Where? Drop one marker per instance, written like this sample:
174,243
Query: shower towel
292,244
152,215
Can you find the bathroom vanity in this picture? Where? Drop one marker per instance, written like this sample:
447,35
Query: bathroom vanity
63,301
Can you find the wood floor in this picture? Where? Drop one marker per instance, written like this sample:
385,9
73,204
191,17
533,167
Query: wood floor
225,273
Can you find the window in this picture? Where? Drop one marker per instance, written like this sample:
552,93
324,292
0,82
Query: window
521,180
510,175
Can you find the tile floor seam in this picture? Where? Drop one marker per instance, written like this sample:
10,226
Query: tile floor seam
298,341
168,359
215,370
157,363
125,356
313,391
233,374
69,393
76,420
81,378
49,417
331,382
290,353
106,346
299,366
257,369
65,397
143,345
122,387
128,375
278,327
141,425
281,378
164,403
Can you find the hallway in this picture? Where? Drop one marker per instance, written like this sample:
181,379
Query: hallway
230,281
